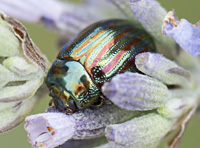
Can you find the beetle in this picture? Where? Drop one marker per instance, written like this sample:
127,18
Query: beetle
92,58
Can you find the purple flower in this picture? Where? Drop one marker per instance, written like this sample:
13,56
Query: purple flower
134,91
163,69
136,133
58,15
150,14
54,128
183,32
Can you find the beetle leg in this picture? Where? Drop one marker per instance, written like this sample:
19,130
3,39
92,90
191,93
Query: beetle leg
70,111
105,100
101,100
51,102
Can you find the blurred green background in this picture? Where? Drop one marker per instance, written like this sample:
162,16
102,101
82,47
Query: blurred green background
46,41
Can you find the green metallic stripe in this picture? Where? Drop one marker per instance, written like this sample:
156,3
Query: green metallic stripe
144,45
126,56
96,56
121,44
107,58
108,31
85,35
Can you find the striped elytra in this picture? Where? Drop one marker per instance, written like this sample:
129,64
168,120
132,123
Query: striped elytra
91,58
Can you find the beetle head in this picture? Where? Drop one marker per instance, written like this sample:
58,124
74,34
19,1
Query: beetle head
63,101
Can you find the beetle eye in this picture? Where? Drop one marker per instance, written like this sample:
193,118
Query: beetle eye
51,102
55,91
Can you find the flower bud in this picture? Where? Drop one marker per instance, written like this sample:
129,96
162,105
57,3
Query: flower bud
13,113
150,14
183,100
133,91
139,132
163,69
22,71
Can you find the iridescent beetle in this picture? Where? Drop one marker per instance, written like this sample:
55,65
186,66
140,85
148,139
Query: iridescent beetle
91,58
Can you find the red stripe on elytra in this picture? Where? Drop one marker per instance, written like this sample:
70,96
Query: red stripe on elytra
70,47
118,56
106,47
131,62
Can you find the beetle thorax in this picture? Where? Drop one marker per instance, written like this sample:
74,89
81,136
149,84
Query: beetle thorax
71,78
